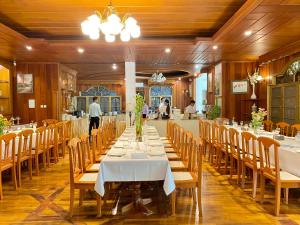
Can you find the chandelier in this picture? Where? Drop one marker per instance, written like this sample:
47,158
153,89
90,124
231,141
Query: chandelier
158,77
111,25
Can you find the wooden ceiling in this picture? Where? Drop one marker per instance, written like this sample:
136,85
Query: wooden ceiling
189,28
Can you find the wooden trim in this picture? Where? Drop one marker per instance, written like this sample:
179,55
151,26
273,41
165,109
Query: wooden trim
99,82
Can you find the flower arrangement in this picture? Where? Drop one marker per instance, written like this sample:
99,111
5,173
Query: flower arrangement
3,123
258,117
254,77
138,115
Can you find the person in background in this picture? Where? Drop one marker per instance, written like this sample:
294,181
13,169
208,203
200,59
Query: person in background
145,111
95,112
162,107
190,109
166,114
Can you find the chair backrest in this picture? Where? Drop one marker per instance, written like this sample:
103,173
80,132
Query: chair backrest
68,129
221,120
201,128
284,127
40,142
51,135
268,125
25,143
101,140
7,154
249,148
224,136
86,152
120,127
95,150
75,159
269,169
215,133
234,141
295,129
208,131
47,122
60,131
197,148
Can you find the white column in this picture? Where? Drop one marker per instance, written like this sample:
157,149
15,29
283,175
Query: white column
130,90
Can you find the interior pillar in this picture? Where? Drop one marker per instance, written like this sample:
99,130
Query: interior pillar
130,79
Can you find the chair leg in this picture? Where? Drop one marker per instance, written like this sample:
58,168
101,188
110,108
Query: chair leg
231,167
37,169
277,199
44,160
19,174
286,195
30,167
238,171
262,188
173,196
99,202
71,201
1,191
226,163
194,195
199,201
243,174
254,184
81,195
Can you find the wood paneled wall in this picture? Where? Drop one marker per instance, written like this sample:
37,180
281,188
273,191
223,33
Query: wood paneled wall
45,81
181,98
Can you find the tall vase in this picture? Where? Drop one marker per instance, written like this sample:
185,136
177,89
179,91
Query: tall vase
138,127
253,96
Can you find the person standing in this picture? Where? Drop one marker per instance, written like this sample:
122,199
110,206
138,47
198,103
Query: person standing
145,111
95,112
191,109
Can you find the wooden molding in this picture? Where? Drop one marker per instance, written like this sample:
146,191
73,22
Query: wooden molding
99,82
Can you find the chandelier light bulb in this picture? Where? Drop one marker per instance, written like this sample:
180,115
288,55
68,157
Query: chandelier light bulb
130,21
94,35
110,38
113,18
85,27
125,35
136,32
94,19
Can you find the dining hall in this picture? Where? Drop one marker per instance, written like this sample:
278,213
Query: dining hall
150,112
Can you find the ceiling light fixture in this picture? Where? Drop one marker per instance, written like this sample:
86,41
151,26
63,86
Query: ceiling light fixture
215,47
111,25
196,66
158,77
179,78
28,47
80,50
167,50
248,32
114,66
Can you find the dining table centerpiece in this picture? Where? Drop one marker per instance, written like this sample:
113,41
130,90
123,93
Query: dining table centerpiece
138,116
3,123
258,118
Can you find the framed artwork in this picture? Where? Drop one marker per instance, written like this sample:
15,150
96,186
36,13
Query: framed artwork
239,86
24,83
209,83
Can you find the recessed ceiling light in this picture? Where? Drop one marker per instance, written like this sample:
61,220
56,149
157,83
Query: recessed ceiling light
196,66
114,66
80,50
195,74
28,47
179,78
248,32
167,50
215,47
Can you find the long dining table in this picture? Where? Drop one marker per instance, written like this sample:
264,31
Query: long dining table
130,161
289,151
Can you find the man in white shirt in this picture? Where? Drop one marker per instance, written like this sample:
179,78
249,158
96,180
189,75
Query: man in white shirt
95,112
190,109
162,107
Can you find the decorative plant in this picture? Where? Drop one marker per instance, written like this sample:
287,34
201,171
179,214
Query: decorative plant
258,117
254,78
3,123
214,112
138,115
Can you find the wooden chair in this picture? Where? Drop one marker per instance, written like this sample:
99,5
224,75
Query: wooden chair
268,125
191,179
295,129
121,126
48,122
270,169
185,151
40,148
51,140
60,136
250,159
79,179
221,120
284,128
67,131
97,155
215,144
235,153
24,153
7,158
208,144
224,152
88,165
175,154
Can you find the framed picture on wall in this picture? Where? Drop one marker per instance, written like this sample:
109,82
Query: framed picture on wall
209,83
239,86
24,83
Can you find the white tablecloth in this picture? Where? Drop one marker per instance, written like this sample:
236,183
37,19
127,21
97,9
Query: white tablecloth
125,168
289,153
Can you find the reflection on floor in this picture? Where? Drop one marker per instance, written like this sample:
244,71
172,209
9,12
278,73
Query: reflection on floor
45,200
